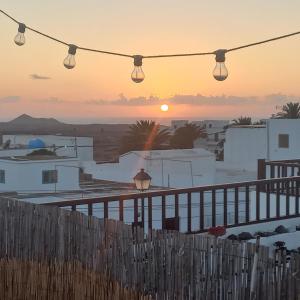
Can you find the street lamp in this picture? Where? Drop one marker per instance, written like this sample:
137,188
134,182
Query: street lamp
142,180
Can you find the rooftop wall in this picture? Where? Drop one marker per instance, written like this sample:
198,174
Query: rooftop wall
244,146
167,171
26,176
284,126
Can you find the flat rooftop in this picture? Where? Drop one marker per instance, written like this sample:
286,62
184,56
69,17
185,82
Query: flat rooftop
170,154
247,126
34,157
89,189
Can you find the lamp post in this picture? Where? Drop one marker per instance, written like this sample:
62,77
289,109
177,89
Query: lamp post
142,180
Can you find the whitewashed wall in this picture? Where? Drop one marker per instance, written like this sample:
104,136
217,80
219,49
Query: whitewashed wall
27,175
165,172
244,146
284,126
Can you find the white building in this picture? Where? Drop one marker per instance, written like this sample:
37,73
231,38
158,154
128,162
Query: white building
71,146
212,126
168,168
277,140
215,130
38,174
175,124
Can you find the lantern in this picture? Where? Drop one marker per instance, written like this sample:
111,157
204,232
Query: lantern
142,180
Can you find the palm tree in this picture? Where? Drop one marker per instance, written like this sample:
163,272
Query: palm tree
290,110
185,136
242,121
144,135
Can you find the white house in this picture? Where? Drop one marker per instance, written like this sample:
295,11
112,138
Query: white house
212,126
175,124
278,139
71,146
38,174
215,130
168,168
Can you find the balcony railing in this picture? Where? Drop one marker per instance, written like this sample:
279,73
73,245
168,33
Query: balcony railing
194,210
277,168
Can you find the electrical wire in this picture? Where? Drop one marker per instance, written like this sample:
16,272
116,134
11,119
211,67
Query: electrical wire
264,42
151,56
47,36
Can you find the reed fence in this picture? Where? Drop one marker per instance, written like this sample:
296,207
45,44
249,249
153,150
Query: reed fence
31,280
157,265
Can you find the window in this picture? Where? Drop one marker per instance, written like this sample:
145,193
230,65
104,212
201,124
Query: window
216,137
2,176
283,141
210,126
49,176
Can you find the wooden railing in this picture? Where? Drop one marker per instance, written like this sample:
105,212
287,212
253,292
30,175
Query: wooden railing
196,209
277,168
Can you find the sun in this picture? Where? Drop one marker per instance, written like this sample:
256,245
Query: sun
164,107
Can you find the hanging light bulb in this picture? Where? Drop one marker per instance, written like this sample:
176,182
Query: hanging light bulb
69,61
137,74
20,37
220,71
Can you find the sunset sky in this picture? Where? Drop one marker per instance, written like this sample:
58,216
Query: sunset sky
100,88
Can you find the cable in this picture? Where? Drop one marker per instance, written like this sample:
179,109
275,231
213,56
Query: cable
106,52
220,72
47,36
265,41
10,17
158,55
179,55
62,42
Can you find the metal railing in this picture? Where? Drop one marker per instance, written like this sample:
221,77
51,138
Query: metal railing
196,209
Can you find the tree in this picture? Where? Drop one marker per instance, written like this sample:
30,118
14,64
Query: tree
242,121
42,152
144,135
185,136
290,110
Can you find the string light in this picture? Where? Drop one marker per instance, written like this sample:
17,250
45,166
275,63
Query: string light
137,74
220,72
69,61
20,37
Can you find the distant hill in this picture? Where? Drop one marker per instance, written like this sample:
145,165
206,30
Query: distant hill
26,120
107,137
25,124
